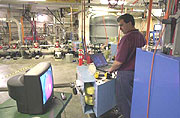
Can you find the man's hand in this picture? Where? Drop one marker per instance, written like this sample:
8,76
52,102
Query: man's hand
110,70
114,67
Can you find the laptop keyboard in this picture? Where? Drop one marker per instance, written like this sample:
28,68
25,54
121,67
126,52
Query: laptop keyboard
104,68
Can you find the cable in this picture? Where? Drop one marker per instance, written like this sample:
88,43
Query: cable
135,2
176,6
83,24
150,79
152,13
105,31
152,64
27,18
59,16
171,10
53,14
62,85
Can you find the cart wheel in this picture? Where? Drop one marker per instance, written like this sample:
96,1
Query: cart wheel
74,91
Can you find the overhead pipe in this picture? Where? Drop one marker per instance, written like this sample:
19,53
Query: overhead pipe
22,29
54,15
71,20
105,31
9,25
89,3
19,28
176,6
82,20
148,21
135,2
85,30
33,25
82,32
71,23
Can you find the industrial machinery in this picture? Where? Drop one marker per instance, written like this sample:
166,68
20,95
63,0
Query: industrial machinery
156,81
103,28
164,88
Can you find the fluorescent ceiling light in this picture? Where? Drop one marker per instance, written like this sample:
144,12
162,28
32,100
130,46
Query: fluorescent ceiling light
41,18
105,9
157,12
31,0
2,19
113,2
119,14
122,2
138,10
104,1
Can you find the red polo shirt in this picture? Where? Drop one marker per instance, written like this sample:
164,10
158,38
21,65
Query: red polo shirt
126,52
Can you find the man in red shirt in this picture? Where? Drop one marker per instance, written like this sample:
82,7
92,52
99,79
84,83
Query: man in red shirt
125,62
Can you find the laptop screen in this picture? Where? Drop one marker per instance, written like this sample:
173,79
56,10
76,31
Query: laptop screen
99,60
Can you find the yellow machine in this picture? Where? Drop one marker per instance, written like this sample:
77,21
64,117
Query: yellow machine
89,92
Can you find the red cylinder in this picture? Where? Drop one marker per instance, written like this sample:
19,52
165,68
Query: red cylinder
36,45
57,44
80,57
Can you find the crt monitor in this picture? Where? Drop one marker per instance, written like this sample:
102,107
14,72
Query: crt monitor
33,91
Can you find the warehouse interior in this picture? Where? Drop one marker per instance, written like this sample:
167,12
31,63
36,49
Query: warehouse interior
65,33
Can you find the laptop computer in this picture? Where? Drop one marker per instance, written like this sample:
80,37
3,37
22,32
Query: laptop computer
100,62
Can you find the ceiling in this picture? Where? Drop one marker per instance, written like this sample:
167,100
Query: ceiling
41,6
18,4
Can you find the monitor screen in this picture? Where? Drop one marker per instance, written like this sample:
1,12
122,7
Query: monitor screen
46,84
99,60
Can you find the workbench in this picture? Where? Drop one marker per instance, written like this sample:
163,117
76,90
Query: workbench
8,109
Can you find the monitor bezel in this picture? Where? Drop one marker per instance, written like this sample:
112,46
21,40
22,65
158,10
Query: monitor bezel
31,74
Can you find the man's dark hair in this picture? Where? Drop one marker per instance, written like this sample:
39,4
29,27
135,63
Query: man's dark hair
127,18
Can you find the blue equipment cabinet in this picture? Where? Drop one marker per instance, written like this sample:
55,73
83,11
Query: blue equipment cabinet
104,95
165,86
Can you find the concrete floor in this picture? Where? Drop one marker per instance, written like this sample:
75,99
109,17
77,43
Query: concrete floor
62,72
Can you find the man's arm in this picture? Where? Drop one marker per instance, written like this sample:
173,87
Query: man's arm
115,66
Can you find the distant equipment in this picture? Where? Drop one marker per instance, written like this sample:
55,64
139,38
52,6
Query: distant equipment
98,27
69,58
58,54
155,34
157,27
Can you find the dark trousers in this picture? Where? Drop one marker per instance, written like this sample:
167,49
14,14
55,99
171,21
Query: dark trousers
124,89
